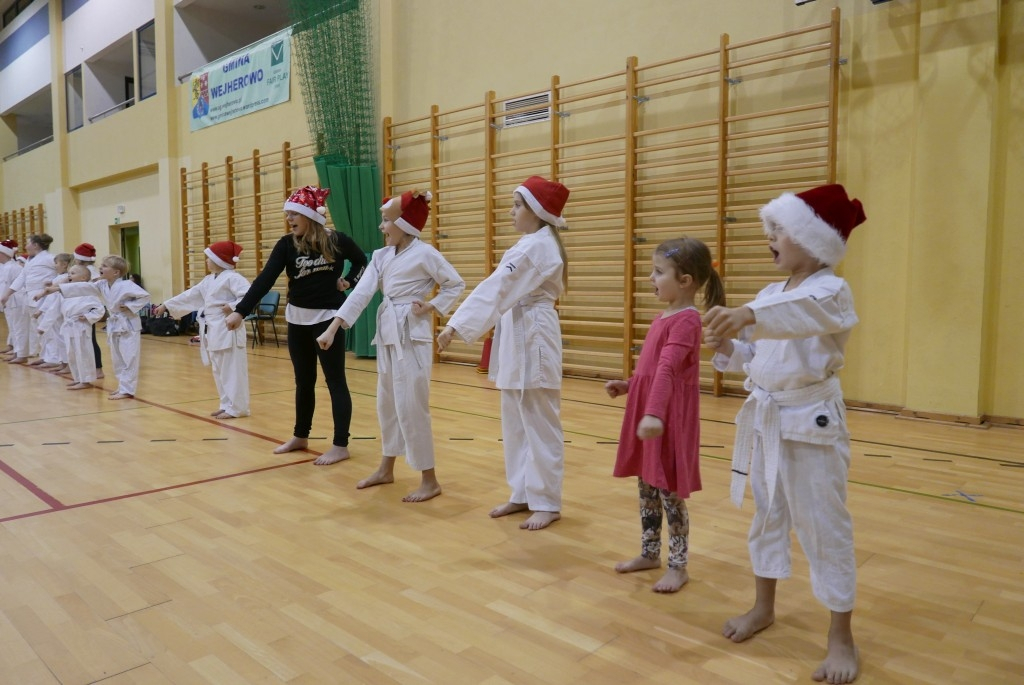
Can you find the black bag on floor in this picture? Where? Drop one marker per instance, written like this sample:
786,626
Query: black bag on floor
163,325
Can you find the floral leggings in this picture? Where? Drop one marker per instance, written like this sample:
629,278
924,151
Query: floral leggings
652,501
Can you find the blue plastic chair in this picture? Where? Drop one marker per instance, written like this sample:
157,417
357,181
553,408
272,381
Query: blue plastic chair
266,310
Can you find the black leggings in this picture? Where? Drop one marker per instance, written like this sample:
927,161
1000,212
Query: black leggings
304,351
96,349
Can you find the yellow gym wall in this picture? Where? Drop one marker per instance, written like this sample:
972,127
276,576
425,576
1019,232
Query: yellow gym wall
930,140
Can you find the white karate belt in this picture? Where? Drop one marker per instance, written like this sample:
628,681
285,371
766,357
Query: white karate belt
761,411
389,329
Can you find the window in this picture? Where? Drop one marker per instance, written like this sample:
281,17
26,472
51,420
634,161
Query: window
73,87
147,60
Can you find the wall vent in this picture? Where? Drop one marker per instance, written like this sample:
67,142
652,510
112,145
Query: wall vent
540,105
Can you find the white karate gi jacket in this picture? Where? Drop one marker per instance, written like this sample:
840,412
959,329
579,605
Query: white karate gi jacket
208,297
518,300
404,278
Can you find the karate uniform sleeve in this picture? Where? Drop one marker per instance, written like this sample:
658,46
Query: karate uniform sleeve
742,353
515,278
821,309
134,298
681,340
238,286
185,303
449,282
95,312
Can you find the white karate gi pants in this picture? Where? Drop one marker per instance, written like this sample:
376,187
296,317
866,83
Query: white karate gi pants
81,359
124,350
19,319
231,375
810,497
403,402
531,431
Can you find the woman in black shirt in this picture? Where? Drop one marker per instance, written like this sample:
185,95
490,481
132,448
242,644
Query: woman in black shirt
313,257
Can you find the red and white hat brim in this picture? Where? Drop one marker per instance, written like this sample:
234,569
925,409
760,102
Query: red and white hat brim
307,212
538,209
6,250
805,228
217,260
84,258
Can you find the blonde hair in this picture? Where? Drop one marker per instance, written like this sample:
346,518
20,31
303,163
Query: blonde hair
316,240
116,262
63,258
76,268
692,257
558,239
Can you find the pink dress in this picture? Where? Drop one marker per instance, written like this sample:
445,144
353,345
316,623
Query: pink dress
666,384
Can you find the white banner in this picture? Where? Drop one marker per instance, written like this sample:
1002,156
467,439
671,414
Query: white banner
243,82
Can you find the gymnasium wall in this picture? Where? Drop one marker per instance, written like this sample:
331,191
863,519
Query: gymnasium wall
930,139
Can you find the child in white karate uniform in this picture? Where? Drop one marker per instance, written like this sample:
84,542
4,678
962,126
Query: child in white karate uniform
53,355
9,270
37,271
406,271
81,307
791,435
123,300
215,297
518,300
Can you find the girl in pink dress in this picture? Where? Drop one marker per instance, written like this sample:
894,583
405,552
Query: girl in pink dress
660,435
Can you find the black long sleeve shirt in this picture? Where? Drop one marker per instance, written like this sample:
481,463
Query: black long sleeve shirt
312,280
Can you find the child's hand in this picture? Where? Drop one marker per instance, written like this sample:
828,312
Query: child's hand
233,321
343,285
420,308
40,331
82,318
444,338
36,314
650,427
725,322
226,309
616,388
325,340
159,310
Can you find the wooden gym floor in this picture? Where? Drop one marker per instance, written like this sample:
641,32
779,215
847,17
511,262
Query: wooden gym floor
143,542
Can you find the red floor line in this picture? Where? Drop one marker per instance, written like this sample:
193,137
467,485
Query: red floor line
130,495
47,498
56,505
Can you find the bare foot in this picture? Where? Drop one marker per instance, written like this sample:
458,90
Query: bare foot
673,580
539,520
60,368
292,445
36,362
7,349
508,508
79,386
49,365
424,492
378,477
17,360
333,456
740,628
217,413
640,563
840,664
224,416
120,396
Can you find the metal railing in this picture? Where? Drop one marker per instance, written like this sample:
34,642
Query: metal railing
29,147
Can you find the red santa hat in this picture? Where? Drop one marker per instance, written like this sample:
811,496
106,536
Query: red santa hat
9,247
819,220
224,254
408,211
309,202
85,253
546,199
